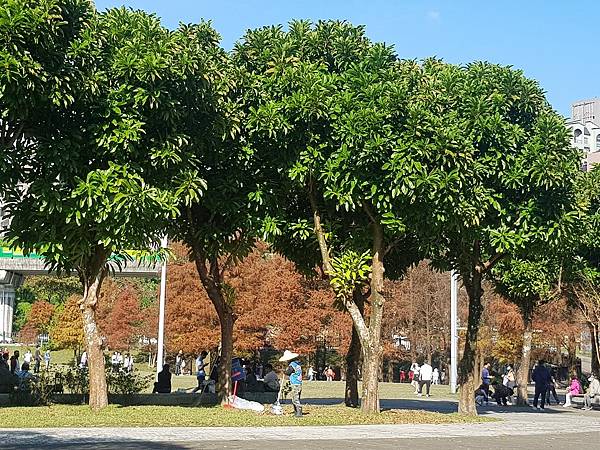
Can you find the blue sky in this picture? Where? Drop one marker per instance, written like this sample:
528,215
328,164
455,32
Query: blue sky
553,41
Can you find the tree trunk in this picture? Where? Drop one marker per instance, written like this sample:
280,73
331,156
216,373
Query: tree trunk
370,336
572,356
523,372
370,384
91,279
372,349
428,331
594,331
212,282
353,359
224,387
467,376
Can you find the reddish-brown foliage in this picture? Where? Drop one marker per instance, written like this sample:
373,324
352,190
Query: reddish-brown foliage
121,325
191,323
274,304
40,316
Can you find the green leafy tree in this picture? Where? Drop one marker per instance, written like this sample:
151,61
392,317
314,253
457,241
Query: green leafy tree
37,75
356,158
219,228
514,189
94,170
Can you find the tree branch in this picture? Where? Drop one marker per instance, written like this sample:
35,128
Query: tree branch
493,261
318,228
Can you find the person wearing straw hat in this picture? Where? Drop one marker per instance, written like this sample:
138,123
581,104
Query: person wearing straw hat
294,372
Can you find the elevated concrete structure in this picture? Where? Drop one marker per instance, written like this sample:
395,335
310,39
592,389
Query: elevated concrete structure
14,267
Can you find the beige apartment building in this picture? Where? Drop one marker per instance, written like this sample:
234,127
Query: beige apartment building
585,128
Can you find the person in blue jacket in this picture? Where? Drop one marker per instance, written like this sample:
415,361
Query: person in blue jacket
294,372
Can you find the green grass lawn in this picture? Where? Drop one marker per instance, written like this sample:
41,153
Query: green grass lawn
335,389
173,416
142,416
316,389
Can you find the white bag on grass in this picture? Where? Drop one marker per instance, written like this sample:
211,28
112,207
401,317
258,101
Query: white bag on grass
240,403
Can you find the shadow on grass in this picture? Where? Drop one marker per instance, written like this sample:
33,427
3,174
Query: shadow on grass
431,404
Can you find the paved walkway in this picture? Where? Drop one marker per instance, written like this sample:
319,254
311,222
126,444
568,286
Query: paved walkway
525,426
555,421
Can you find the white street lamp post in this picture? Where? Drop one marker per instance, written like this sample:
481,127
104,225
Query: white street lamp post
453,330
161,315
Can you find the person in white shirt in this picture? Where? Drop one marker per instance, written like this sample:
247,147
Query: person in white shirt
592,391
425,375
27,358
83,363
47,358
310,374
436,377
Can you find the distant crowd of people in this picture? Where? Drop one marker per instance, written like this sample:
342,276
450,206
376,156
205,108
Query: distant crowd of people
545,382
12,365
120,363
30,358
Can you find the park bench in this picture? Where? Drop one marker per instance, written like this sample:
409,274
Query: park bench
578,399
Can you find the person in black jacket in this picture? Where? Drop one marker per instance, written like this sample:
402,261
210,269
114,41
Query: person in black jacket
501,393
163,385
542,378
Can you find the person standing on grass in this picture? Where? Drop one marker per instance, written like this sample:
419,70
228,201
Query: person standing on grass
14,362
542,378
551,389
415,378
592,391
425,374
310,374
486,380
47,358
128,363
83,361
4,362
28,357
435,379
178,360
294,372
330,374
114,360
200,370
38,359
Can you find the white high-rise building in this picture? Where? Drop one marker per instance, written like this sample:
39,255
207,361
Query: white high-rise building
585,128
